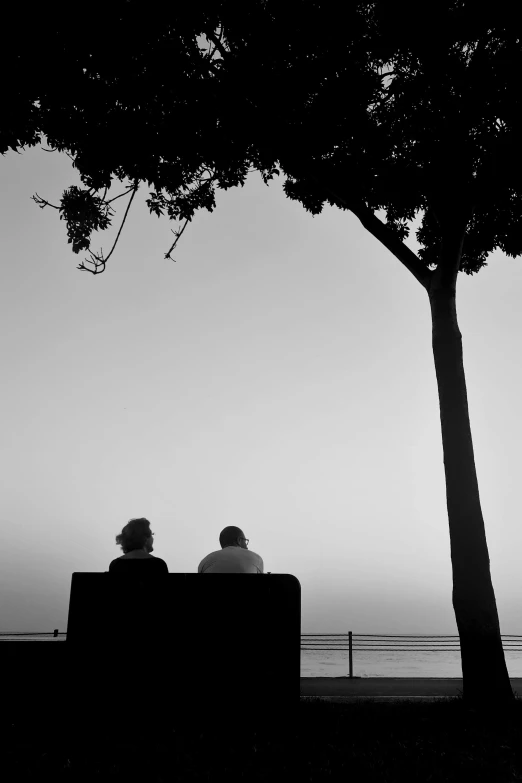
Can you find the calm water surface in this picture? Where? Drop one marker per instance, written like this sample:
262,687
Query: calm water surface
393,664
375,663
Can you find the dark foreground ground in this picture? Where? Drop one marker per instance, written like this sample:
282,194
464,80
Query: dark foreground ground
360,741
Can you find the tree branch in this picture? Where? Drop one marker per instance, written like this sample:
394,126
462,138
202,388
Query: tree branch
379,230
99,259
401,251
42,202
132,187
217,44
177,234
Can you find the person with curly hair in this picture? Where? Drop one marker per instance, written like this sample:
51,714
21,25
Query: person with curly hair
136,540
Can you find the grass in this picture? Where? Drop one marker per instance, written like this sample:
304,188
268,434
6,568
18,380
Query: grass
362,742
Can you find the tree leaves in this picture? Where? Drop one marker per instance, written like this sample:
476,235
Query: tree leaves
293,93
84,213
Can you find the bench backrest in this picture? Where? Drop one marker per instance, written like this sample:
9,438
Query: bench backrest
188,638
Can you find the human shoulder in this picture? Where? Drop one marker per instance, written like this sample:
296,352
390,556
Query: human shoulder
209,557
258,561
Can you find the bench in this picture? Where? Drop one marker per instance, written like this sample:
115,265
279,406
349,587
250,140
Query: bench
183,645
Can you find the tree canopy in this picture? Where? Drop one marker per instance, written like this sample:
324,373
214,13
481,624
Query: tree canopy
375,108
371,108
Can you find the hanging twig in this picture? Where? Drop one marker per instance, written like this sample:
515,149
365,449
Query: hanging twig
177,234
98,260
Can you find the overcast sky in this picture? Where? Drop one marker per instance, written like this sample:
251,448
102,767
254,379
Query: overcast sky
278,377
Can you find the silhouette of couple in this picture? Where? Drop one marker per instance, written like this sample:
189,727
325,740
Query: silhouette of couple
136,540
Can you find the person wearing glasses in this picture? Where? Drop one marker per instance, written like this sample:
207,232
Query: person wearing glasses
234,557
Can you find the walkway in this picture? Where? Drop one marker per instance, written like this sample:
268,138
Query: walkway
344,689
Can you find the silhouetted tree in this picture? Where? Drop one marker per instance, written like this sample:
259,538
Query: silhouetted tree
384,106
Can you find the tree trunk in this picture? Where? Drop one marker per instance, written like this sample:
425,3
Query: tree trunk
485,677
484,672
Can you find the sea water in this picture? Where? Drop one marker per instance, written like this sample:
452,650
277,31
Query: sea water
374,663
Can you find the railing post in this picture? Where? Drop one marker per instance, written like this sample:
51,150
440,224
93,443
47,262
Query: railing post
350,658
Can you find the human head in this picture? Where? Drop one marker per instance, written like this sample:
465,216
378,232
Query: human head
136,535
232,536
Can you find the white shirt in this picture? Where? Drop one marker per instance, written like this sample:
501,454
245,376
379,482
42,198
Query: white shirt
231,560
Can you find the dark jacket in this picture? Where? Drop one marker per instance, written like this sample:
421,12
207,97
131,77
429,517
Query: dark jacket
139,566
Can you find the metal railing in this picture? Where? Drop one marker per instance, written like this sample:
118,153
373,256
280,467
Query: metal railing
366,642
19,634
345,642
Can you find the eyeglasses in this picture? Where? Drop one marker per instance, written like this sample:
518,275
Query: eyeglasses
246,540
